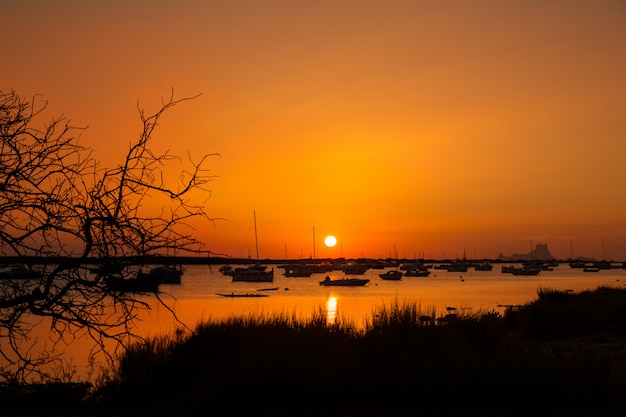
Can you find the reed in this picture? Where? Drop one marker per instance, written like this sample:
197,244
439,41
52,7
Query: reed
558,315
399,364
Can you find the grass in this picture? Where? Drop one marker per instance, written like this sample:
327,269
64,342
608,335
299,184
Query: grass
563,354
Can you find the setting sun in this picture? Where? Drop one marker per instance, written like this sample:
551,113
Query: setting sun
330,241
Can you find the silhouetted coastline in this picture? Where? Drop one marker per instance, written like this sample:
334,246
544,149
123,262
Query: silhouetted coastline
223,260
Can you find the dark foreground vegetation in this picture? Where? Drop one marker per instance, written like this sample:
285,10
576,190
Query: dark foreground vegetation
561,355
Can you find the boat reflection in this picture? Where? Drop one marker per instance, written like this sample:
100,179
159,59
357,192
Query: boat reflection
331,310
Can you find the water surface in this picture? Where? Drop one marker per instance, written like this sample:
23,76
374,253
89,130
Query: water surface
196,299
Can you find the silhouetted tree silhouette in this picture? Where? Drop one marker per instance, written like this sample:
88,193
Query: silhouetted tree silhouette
57,202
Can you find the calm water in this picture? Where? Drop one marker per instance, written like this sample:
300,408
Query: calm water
195,298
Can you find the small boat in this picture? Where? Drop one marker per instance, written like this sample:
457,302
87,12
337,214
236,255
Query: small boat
235,295
410,266
458,266
392,275
526,271
485,266
591,269
344,282
305,269
165,274
417,273
253,274
268,289
355,269
298,271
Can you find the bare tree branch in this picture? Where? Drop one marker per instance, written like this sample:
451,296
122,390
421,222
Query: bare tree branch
56,202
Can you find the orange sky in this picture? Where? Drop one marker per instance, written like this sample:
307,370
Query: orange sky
432,127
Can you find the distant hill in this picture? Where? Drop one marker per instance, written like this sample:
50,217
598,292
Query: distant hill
540,253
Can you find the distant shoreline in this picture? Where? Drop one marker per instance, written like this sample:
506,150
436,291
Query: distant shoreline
210,260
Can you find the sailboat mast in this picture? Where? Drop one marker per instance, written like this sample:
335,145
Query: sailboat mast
256,237
314,242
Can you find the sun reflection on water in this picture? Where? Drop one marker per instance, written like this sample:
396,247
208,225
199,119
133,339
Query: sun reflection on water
331,310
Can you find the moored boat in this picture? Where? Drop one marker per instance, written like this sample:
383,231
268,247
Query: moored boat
164,274
392,275
355,269
458,266
298,271
253,274
508,269
344,282
526,271
485,266
247,295
417,273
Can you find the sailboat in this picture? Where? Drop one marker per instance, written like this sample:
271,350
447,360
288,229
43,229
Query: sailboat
604,263
256,272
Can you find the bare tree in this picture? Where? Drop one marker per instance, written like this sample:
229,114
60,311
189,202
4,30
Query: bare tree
59,210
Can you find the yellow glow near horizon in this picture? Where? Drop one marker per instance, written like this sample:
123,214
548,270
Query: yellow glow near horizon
330,241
